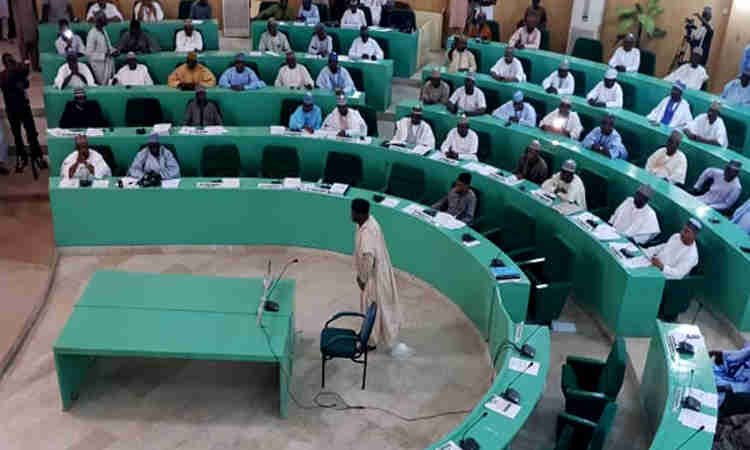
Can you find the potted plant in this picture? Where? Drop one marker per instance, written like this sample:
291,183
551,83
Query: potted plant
639,19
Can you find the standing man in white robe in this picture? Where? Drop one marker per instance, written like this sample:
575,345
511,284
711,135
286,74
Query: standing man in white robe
606,93
84,163
376,280
461,142
563,120
508,68
669,162
635,219
364,47
110,11
679,255
567,185
626,58
673,111
693,74
293,75
346,122
413,130
561,81
708,127
132,73
100,51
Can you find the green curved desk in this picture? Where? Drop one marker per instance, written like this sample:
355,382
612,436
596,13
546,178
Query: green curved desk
724,264
376,76
640,137
624,297
198,216
163,32
402,48
642,92
265,110
666,378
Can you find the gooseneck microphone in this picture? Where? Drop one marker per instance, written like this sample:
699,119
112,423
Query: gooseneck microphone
271,305
511,394
695,433
688,401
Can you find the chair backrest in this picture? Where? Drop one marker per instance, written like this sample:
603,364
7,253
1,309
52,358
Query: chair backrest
587,48
494,29
368,14
335,42
736,132
526,64
357,77
323,12
343,168
143,112
544,42
385,46
648,62
370,117
522,229
288,106
628,95
580,77
401,19
184,9
265,5
484,152
613,373
220,161
279,162
596,189
367,325
540,107
109,157
477,57
406,182
599,436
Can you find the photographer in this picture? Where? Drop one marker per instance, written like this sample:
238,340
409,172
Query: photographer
700,36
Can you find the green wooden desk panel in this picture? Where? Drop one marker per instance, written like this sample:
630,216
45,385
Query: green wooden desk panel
403,48
108,288
409,239
376,76
248,108
724,264
163,32
665,377
496,431
642,92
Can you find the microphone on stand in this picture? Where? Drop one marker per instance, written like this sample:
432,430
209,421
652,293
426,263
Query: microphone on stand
271,305
688,401
511,394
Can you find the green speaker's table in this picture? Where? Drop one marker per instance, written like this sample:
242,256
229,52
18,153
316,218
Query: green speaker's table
667,378
402,48
250,108
163,32
723,262
124,314
376,76
641,92
639,136
623,296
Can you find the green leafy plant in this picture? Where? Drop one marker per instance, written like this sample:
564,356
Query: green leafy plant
641,21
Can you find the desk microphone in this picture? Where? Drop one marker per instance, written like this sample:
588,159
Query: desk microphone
268,304
470,443
511,394
688,401
695,433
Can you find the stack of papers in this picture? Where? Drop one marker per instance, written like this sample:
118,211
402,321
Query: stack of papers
390,202
68,183
544,196
695,420
339,189
567,209
100,184
524,366
510,180
503,407
482,169
447,221
438,156
605,232
583,219
94,132
276,130
292,183
162,129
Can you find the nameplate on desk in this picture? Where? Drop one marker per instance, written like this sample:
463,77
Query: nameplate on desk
695,339
224,183
503,407
482,169
69,183
271,186
510,180
438,156
567,208
543,196
388,202
522,365
695,420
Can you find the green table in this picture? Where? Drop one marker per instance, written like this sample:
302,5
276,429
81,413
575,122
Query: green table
402,48
666,378
640,137
641,92
630,294
724,264
376,76
124,314
266,110
163,32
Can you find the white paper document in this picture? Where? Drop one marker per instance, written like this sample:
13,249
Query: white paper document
584,218
62,132
170,184
543,196
230,183
100,184
450,445
420,150
510,180
472,243
68,183
696,339
695,420
567,209
272,186
214,130
129,182
605,232
339,188
482,169
447,221
437,156
522,365
277,130
503,407
390,202
292,183
94,132
707,399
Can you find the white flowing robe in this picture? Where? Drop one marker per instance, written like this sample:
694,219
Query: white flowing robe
373,266
85,79
101,169
692,77
369,48
711,131
184,43
352,123
512,70
672,168
353,19
298,77
466,147
573,192
680,118
630,60
611,97
564,86
571,124
138,77
639,224
408,133
678,258
98,49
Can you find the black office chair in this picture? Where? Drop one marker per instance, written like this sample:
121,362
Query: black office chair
494,29
585,423
550,276
544,42
323,12
143,112
580,77
343,168
370,117
401,19
477,57
526,64
220,161
279,162
184,171
484,152
357,77
346,343
648,63
492,99
109,158
288,106
736,133
406,182
628,95
385,46
596,193
184,9
590,49
539,106
368,14
265,5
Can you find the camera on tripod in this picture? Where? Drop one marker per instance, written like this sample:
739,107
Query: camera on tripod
690,26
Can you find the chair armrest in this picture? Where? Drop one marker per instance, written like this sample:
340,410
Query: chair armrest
587,370
564,439
565,419
344,314
585,405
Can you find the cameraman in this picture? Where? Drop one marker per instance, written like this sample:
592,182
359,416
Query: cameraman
701,35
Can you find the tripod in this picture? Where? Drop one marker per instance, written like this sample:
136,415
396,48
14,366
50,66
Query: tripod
35,158
683,53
